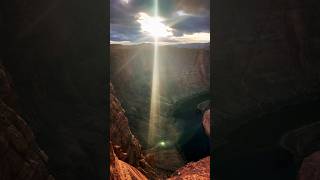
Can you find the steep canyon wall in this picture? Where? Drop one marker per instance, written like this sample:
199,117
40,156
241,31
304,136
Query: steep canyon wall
183,73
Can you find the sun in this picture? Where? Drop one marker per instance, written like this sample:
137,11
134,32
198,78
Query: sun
153,25
124,1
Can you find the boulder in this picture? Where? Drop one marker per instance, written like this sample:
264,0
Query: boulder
206,122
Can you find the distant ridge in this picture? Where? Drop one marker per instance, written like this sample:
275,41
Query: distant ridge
188,46
192,45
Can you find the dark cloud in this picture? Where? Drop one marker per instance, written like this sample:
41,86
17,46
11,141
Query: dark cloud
124,27
193,6
119,32
193,24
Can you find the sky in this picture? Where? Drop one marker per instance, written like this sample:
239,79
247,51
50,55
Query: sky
177,21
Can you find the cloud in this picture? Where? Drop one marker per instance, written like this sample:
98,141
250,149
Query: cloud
184,39
193,38
193,6
123,42
182,20
124,1
192,24
123,32
183,13
188,38
153,25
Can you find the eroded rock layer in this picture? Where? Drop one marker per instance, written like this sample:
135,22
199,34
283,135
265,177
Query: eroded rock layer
119,170
124,144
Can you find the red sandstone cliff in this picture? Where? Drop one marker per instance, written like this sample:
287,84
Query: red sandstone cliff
120,170
199,170
124,144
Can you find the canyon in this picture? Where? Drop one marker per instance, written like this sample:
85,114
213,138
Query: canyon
184,83
266,89
182,75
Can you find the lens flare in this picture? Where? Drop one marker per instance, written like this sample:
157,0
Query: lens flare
124,1
162,143
155,94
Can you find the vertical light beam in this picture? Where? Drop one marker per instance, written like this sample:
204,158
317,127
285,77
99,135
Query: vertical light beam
155,94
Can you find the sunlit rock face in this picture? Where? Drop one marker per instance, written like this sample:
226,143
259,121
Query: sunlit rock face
125,145
199,170
120,170
21,157
206,122
183,73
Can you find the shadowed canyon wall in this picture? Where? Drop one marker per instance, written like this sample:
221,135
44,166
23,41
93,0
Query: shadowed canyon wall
21,158
57,63
266,83
267,61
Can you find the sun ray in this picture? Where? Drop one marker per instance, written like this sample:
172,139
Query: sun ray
131,58
155,94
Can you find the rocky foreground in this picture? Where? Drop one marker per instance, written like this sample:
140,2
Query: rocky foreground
199,170
127,160
120,170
